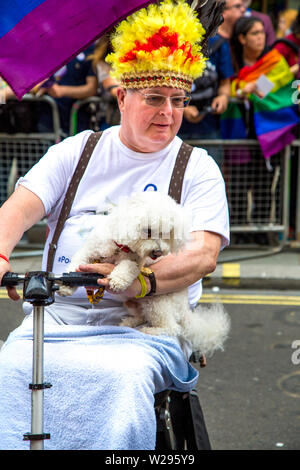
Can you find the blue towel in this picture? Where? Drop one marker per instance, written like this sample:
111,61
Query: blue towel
103,380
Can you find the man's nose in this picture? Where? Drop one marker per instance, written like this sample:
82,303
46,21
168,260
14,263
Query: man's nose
166,108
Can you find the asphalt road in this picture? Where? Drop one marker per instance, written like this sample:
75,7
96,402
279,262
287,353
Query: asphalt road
250,393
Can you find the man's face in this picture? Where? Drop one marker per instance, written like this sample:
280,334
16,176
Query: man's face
146,128
234,9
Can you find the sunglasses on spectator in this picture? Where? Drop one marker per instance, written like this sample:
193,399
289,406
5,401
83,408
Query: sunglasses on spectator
156,100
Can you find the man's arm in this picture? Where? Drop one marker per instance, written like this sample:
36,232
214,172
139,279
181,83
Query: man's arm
220,102
76,92
22,210
174,272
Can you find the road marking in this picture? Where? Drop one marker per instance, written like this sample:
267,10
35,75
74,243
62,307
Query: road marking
231,270
251,299
3,293
283,384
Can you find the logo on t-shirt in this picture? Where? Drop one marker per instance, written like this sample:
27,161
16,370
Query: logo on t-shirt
64,259
150,187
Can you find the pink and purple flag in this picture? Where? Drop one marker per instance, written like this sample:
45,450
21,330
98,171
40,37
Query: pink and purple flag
37,37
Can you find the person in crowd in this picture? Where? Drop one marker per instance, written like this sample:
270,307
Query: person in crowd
75,81
107,85
248,45
6,92
103,69
263,79
104,377
201,118
210,96
285,20
289,46
268,25
233,10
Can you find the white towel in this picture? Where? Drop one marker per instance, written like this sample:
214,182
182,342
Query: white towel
103,380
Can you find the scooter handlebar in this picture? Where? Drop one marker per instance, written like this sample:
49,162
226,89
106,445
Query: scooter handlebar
73,279
12,279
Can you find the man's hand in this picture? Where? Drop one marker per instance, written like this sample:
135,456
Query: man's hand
192,114
56,91
105,269
220,103
248,89
11,291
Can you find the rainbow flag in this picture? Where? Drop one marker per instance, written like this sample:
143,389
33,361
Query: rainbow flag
37,37
275,116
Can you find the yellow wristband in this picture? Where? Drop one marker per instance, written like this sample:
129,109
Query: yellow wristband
143,287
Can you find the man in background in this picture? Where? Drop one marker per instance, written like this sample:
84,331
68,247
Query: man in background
234,9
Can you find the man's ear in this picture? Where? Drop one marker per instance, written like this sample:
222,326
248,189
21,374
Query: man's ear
121,93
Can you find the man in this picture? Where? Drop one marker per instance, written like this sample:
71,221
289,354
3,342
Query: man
233,10
104,376
269,29
203,125
212,90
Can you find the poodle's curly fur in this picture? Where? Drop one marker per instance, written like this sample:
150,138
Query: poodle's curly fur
151,224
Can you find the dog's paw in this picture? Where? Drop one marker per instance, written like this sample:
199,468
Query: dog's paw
123,275
64,291
118,284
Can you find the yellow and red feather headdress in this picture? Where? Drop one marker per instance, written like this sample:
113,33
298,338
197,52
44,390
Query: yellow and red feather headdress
160,45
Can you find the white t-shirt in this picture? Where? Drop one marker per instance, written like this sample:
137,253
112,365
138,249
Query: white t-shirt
115,171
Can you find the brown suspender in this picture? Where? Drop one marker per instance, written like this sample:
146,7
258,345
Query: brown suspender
175,186
176,181
70,194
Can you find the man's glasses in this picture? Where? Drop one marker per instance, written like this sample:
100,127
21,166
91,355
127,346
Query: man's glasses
156,100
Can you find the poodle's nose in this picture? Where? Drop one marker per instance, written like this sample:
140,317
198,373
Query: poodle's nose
155,254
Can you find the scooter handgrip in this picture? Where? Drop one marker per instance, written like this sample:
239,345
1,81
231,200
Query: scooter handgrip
10,280
80,279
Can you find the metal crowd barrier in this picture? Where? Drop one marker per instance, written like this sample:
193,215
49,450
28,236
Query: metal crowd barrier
296,146
97,111
258,195
20,151
257,192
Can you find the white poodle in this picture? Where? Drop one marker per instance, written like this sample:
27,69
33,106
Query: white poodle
135,234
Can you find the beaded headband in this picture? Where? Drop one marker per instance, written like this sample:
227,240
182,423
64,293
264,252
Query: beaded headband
158,46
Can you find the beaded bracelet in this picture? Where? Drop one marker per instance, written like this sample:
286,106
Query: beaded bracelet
143,287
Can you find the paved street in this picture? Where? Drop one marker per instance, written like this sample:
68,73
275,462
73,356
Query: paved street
250,393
